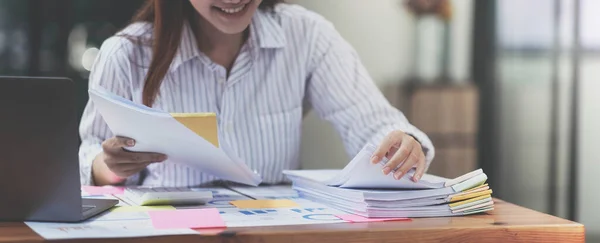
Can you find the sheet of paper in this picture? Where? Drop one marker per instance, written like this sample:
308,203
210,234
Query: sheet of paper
141,208
361,173
267,192
187,218
151,127
360,219
57,231
264,203
308,212
102,190
307,186
107,225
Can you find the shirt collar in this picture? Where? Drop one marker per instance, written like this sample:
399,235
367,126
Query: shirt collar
265,32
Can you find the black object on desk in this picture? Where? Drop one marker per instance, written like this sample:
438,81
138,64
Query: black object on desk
39,168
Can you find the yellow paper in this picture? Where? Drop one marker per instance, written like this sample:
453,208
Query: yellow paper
203,124
471,195
476,188
280,203
468,201
122,209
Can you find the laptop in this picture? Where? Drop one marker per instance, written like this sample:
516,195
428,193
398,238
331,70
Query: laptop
39,143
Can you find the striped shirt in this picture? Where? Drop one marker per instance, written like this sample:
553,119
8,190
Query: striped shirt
292,57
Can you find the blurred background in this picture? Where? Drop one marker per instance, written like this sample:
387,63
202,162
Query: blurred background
509,86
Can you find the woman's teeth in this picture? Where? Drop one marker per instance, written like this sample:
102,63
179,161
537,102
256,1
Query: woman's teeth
233,10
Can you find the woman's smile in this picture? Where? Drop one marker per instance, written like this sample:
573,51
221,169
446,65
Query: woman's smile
231,12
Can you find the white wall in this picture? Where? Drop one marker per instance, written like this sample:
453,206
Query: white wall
589,168
382,33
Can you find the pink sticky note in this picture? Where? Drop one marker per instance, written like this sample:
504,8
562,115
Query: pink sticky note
103,190
360,219
187,219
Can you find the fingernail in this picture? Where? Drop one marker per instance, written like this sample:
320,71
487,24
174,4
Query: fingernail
374,159
398,175
130,142
415,179
386,170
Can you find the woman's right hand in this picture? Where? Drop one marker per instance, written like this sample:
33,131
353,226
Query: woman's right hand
115,164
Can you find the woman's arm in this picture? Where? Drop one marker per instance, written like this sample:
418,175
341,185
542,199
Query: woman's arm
110,72
342,92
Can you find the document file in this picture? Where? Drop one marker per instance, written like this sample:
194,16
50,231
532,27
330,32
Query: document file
361,188
158,131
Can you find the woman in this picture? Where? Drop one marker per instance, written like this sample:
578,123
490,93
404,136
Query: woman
253,63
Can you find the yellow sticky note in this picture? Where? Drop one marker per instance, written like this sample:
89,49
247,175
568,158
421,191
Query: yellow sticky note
452,205
203,124
122,209
476,188
279,203
471,195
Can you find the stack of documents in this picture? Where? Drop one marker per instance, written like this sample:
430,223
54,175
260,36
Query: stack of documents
161,132
361,188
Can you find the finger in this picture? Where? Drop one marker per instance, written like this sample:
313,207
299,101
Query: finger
137,157
126,174
393,150
127,170
398,158
133,166
116,144
390,140
411,160
420,169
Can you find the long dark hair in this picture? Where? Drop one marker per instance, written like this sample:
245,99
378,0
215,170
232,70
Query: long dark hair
168,18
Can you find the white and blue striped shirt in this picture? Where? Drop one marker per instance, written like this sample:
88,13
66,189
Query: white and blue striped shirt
292,55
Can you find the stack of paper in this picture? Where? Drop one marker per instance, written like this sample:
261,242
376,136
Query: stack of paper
361,188
161,132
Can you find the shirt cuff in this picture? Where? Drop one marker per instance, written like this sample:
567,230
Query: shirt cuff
87,158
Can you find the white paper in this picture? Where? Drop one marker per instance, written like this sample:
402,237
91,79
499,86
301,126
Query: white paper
157,131
268,192
308,213
107,225
369,194
361,173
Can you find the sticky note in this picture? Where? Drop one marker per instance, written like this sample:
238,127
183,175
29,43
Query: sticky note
141,208
471,195
278,203
203,124
360,219
187,219
103,190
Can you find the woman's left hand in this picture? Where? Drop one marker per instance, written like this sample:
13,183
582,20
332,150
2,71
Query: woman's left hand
403,152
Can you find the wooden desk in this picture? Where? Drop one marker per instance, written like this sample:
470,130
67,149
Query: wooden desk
507,223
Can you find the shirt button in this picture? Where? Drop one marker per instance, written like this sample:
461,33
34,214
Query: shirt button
229,127
221,80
